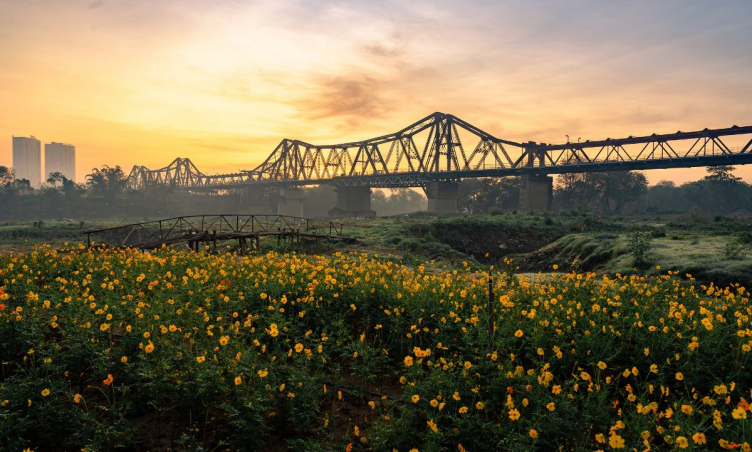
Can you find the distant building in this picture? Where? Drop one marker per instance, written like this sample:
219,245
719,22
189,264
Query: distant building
27,160
61,158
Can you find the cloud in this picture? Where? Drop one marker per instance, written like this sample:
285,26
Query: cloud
351,97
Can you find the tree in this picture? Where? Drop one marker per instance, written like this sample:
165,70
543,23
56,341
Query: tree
484,195
399,201
617,189
720,190
67,186
722,174
108,183
664,196
6,176
605,192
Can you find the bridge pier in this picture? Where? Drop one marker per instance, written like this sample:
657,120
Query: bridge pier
290,202
536,192
442,197
353,202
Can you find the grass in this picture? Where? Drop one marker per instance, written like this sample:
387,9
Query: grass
698,254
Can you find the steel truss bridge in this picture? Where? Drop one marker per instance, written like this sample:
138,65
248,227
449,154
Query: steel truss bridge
442,147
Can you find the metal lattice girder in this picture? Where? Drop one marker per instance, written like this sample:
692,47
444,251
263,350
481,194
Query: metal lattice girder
433,149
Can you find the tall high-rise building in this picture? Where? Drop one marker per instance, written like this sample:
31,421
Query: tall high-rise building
27,160
61,158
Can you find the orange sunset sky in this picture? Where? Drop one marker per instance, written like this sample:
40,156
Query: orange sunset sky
222,82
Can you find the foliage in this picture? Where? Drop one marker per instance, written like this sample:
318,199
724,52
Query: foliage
639,248
106,182
6,176
66,186
718,192
603,192
108,349
487,195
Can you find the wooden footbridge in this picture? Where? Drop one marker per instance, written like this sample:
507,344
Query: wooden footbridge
193,231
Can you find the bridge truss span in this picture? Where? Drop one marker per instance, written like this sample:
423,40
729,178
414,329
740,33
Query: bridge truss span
442,147
701,145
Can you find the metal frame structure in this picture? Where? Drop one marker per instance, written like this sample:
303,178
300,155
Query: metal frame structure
202,228
432,149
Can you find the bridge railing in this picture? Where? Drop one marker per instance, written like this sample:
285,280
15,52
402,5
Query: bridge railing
179,229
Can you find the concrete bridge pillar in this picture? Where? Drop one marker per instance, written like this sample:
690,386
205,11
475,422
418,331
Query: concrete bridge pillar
353,202
290,202
536,192
442,197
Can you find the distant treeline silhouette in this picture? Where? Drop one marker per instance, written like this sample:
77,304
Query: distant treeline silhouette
105,195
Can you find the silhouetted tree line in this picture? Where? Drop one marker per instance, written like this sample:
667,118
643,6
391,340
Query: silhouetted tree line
617,192
106,195
718,192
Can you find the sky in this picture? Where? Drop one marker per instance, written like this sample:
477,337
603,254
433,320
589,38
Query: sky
222,82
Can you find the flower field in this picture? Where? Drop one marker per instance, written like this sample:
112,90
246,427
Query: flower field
122,350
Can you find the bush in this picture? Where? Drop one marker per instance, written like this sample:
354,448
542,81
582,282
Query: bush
639,248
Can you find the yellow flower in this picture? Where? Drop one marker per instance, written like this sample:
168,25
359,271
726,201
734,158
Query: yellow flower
433,426
601,365
463,410
518,333
124,359
408,361
238,381
551,406
479,406
682,442
654,368
533,433
263,373
149,348
600,438
224,340
45,392
686,409
616,441
456,396
415,398
77,398
468,365
298,347
699,438
514,414
679,376
200,359
434,403
739,413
